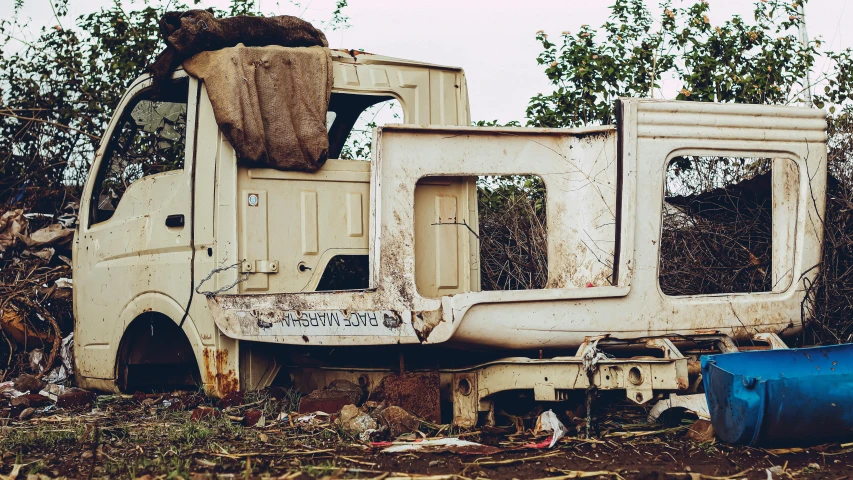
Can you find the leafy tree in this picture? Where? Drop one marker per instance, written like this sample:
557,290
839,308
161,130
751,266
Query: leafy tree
58,92
761,61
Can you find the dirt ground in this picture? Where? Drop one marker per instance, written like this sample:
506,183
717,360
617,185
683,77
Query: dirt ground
176,436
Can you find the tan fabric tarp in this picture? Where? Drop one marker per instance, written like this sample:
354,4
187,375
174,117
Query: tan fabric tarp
270,102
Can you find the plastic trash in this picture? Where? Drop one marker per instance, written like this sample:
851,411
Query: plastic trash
548,422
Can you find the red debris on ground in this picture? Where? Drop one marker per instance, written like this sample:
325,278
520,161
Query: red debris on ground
202,413
233,399
252,417
75,398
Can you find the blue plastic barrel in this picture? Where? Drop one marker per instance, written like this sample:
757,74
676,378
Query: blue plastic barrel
781,398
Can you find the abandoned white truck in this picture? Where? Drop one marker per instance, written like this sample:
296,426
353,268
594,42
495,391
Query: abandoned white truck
156,304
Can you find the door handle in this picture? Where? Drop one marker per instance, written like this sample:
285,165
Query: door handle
176,220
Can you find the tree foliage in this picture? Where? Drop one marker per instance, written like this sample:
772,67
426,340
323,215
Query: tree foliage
759,61
58,91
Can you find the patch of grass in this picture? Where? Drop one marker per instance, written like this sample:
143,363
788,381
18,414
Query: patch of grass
164,462
290,403
709,448
325,469
115,433
272,408
41,438
190,433
35,468
185,433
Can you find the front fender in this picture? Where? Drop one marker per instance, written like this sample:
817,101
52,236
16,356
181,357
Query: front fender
99,360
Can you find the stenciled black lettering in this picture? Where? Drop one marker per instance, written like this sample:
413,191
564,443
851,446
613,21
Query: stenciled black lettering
371,317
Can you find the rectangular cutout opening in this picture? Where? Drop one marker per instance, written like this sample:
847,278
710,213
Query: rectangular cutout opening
513,232
480,233
727,225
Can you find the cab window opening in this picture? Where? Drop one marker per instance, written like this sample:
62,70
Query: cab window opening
150,138
351,120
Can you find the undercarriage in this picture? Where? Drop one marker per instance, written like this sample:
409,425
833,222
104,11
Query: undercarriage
458,388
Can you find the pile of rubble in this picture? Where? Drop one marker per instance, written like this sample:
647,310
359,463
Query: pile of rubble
36,319
366,418
391,428
27,395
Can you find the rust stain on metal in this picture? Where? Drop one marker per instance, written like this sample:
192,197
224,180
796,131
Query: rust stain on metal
217,373
417,393
706,331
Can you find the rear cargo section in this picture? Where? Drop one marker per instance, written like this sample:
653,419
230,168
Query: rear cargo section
605,211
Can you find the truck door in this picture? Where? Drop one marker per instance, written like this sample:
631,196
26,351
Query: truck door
134,236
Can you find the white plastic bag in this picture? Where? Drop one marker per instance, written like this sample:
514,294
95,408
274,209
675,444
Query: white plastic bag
548,422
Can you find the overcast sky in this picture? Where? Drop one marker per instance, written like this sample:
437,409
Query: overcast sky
493,40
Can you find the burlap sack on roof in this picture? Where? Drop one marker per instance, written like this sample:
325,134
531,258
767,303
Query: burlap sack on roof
270,102
194,31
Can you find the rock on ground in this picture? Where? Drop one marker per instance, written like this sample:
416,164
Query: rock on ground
26,413
252,417
398,420
701,431
356,422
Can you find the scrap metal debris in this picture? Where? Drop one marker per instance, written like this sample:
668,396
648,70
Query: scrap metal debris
590,358
415,392
332,398
64,370
696,403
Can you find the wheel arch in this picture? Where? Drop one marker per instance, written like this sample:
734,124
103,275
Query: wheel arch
165,312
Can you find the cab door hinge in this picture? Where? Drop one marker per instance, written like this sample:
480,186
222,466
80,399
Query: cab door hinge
259,266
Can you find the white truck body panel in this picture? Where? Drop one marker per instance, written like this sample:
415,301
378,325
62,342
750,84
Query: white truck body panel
580,169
